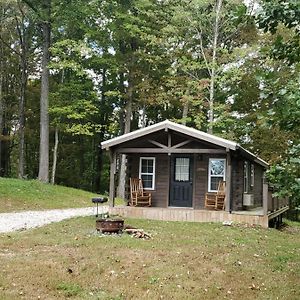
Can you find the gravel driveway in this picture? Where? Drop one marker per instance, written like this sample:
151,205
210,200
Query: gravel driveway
30,219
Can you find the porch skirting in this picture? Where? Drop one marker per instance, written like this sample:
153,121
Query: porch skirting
187,215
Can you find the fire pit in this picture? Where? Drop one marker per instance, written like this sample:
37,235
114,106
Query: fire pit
110,225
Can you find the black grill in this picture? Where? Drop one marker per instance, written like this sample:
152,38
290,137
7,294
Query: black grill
99,200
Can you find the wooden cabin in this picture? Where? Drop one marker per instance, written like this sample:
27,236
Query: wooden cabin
180,165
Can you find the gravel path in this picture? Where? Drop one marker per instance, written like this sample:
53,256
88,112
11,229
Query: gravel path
30,219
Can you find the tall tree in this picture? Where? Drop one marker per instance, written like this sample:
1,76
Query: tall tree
44,114
24,32
44,14
1,88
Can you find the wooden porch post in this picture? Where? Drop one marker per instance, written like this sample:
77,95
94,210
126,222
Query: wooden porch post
228,182
265,197
112,157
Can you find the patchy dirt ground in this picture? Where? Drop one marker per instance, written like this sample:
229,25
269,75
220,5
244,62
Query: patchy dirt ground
30,219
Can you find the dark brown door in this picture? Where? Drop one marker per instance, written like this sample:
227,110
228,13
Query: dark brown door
181,183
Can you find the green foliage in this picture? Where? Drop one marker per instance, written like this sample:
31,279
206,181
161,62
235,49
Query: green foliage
287,13
158,55
285,176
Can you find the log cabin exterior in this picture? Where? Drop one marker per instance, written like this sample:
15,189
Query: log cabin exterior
179,165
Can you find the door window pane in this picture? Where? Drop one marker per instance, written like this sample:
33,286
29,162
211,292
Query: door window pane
182,169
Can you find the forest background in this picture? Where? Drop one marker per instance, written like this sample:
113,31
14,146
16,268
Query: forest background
76,73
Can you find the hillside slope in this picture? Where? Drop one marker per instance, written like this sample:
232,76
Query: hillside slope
16,195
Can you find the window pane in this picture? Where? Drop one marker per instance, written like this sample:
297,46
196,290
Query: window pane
147,166
147,181
182,169
217,167
214,183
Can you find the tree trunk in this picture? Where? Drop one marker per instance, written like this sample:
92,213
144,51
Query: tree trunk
99,152
23,38
56,141
54,156
22,113
213,67
185,110
1,109
1,101
44,115
128,113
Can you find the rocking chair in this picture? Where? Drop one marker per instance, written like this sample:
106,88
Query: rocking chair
216,200
137,194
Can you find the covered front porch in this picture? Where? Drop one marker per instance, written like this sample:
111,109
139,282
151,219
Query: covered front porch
256,216
191,215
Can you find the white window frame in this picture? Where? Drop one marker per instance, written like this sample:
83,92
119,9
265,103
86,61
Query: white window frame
246,177
252,175
249,173
209,175
153,174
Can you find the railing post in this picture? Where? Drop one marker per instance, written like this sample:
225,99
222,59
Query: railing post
265,198
228,182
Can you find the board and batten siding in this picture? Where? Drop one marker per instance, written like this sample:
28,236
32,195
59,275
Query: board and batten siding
200,181
258,185
160,195
237,183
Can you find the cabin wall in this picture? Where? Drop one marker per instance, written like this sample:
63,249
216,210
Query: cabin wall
237,183
258,185
160,196
200,180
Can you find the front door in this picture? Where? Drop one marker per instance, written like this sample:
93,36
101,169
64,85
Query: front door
181,182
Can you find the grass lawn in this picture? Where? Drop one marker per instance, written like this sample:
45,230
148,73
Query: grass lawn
16,195
181,261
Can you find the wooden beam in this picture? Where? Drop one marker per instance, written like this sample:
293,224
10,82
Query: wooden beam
112,178
228,182
171,150
157,144
181,144
277,212
169,142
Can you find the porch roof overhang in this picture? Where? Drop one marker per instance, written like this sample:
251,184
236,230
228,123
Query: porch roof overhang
191,132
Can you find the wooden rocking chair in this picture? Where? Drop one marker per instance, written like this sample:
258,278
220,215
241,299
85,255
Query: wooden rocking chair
137,194
216,200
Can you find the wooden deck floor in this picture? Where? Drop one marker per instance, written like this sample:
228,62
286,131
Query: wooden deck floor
257,211
189,215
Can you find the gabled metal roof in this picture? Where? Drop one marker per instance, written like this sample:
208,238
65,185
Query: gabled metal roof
197,134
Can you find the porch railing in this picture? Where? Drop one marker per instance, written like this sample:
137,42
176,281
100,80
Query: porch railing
272,204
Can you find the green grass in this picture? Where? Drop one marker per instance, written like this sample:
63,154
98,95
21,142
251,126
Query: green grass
181,261
16,194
